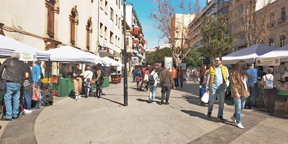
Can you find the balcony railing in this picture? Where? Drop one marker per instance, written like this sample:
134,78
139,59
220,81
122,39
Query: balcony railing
271,24
282,20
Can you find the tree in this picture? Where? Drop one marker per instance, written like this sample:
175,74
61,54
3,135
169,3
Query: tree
157,56
215,35
252,19
163,16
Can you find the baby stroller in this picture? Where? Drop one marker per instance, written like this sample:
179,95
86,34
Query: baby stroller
21,109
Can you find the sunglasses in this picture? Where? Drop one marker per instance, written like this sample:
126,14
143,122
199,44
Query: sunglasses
216,60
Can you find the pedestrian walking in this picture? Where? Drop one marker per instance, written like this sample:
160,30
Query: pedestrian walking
239,90
202,83
12,70
134,74
175,76
217,82
102,69
251,74
96,78
166,82
180,73
153,80
77,74
138,76
194,74
270,90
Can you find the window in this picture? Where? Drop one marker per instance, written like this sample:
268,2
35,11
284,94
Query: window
116,41
106,7
282,40
73,23
105,30
119,4
116,20
283,13
271,16
271,42
127,41
119,42
111,13
101,29
50,6
111,37
88,33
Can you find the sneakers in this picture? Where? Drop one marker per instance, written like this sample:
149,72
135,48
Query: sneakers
209,114
220,118
79,97
167,103
76,97
153,102
162,102
240,125
234,119
27,111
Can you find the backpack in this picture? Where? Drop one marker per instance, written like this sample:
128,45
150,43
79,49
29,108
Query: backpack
151,80
101,78
269,83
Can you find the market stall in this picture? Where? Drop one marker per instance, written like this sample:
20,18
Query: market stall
248,54
64,87
116,77
278,58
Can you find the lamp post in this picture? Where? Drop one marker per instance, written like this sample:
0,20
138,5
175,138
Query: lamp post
125,58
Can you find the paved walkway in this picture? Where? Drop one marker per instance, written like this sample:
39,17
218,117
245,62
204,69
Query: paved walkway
105,120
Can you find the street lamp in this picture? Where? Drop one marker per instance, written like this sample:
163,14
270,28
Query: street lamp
125,58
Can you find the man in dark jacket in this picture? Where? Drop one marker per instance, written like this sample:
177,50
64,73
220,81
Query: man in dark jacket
14,74
166,81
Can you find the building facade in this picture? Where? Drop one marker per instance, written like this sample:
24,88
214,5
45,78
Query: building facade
179,27
135,42
46,24
110,29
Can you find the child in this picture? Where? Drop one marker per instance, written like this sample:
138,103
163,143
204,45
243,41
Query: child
87,87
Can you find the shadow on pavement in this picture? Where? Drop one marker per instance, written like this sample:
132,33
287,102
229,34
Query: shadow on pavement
204,116
111,100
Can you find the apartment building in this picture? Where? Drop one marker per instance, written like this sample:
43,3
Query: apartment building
110,29
275,20
179,28
46,24
212,9
135,42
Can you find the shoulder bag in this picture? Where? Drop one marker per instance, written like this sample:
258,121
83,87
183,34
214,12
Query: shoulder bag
3,81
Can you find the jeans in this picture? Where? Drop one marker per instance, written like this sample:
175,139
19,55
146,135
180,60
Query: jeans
239,105
220,94
253,94
27,102
98,90
165,89
12,92
134,77
176,82
181,82
152,92
270,95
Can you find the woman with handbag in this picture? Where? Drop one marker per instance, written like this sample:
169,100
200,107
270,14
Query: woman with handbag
239,90
36,77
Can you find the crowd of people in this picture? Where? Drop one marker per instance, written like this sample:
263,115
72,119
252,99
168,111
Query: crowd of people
23,79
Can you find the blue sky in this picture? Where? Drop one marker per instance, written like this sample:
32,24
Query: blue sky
143,9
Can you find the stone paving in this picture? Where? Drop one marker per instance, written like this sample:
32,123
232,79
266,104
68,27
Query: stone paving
105,120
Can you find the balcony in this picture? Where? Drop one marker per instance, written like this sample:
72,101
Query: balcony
271,24
282,20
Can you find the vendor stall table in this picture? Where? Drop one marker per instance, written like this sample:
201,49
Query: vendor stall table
66,87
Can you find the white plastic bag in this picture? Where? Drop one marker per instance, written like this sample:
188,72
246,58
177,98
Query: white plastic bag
205,97
146,78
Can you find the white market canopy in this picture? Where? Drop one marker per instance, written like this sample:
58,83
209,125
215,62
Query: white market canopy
279,52
110,62
248,54
70,54
8,46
